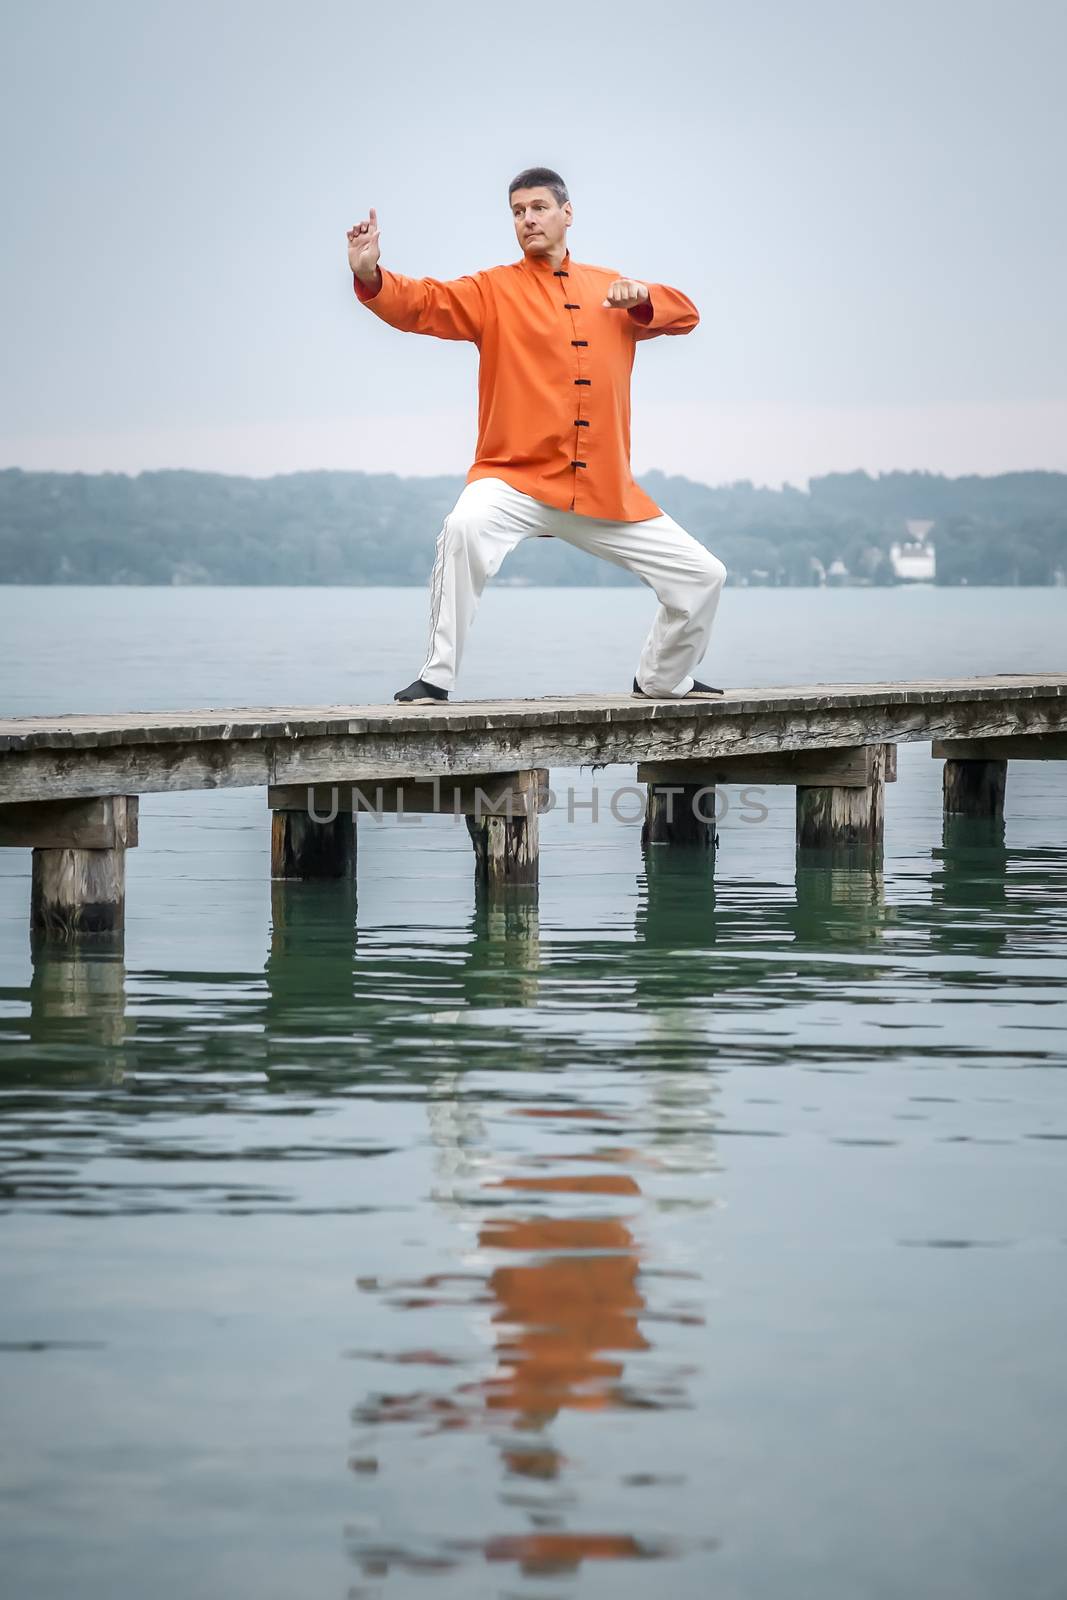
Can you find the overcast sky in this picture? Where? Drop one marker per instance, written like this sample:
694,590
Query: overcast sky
865,200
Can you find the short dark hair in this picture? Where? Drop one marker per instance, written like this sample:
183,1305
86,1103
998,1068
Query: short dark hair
540,178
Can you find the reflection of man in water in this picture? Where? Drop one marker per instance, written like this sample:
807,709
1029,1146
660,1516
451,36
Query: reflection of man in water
564,1318
558,1313
562,1312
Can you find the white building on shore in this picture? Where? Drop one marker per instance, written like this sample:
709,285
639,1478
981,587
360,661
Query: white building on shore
914,559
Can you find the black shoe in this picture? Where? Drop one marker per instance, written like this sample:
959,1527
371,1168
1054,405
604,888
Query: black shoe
421,693
699,691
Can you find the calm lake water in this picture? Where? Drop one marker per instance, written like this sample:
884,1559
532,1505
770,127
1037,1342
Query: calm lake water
688,1231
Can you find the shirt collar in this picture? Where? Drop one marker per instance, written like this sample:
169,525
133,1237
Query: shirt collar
542,263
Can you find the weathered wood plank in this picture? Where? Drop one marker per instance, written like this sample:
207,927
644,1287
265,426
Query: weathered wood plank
850,768
104,823
1013,747
498,793
581,732
604,744
238,725
136,769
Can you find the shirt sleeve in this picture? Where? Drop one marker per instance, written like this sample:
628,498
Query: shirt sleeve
665,311
447,310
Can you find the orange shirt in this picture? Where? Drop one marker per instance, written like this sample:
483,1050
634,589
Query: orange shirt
553,374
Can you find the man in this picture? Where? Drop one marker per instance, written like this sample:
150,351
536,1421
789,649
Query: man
556,340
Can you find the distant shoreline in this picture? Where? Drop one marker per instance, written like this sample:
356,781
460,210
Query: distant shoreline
185,529
624,582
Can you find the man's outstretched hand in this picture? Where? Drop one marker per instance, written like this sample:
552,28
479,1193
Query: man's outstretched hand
623,293
363,251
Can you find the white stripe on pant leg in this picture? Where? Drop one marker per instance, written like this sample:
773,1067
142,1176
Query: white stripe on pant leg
435,604
454,594
488,520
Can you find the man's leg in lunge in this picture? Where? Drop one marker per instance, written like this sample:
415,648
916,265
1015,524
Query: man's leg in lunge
476,536
689,594
687,580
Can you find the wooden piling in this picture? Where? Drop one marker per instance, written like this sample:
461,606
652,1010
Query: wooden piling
501,810
975,788
681,805
976,770
78,871
679,814
302,848
833,816
75,893
506,846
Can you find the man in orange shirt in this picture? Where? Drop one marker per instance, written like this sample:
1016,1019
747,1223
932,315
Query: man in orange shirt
556,341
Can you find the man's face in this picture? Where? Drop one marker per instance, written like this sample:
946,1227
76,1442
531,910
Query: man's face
540,222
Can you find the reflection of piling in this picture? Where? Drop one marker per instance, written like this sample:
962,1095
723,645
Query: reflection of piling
309,967
319,920
840,894
676,899
78,998
969,885
507,941
964,837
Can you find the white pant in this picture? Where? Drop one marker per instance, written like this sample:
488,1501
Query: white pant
490,518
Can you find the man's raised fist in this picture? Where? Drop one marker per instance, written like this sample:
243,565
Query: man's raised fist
624,293
363,249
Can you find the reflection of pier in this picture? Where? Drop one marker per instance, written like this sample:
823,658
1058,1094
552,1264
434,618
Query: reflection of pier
323,991
326,997
69,785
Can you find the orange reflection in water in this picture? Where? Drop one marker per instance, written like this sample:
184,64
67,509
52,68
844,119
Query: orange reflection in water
563,1552
566,1314
560,1317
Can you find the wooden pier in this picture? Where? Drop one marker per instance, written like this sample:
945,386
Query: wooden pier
69,784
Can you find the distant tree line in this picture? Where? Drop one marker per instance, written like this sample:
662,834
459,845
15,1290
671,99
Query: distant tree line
377,528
